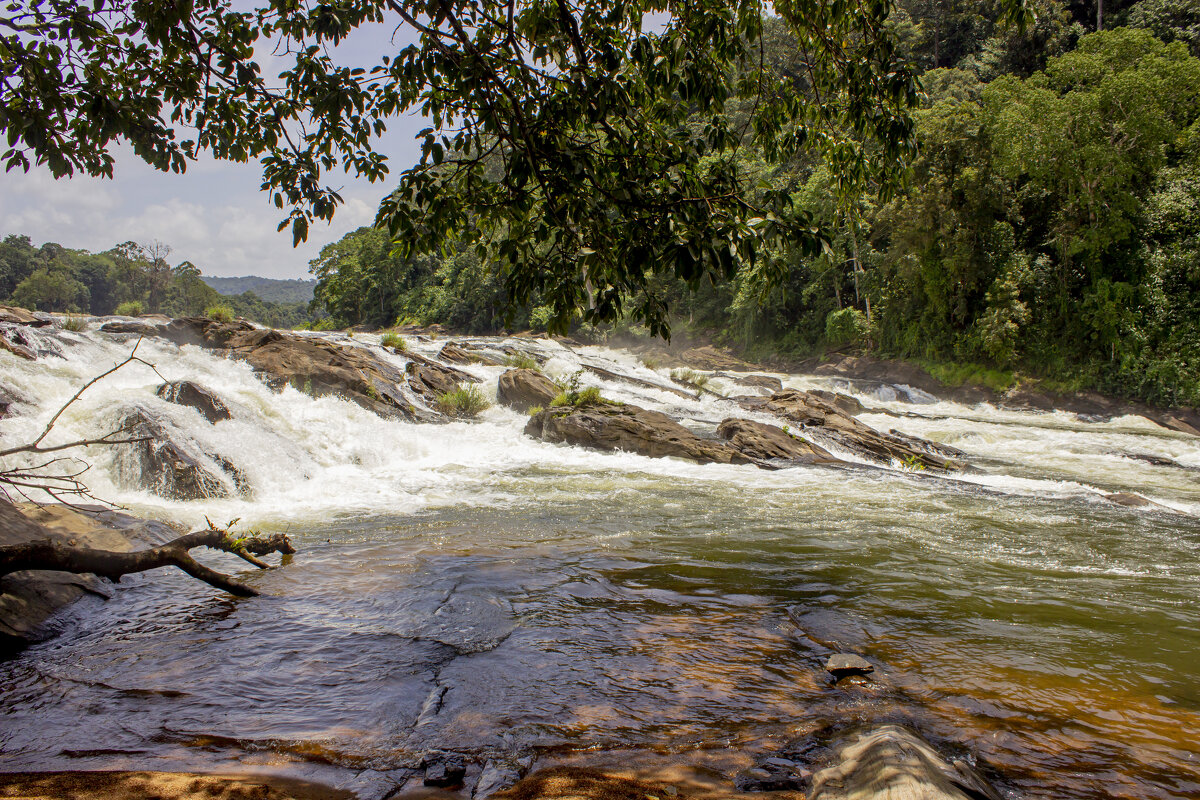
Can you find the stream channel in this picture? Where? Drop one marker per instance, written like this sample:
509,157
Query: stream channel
463,587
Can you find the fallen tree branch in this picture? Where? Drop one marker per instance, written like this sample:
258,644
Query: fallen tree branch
50,555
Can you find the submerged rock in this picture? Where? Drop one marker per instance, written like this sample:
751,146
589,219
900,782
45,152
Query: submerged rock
16,340
193,395
523,389
759,440
171,465
445,770
773,775
895,763
608,426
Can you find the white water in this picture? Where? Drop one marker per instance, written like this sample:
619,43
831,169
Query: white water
314,459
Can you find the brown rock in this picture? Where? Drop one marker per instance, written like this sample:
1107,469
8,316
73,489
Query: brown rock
842,402
759,440
20,316
137,326
808,410
28,599
431,380
609,426
172,466
204,331
768,382
193,395
523,389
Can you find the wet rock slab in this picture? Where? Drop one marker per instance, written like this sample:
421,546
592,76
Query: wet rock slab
523,389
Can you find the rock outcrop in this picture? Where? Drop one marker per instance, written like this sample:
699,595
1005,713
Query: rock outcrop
140,327
608,426
836,426
768,382
895,763
28,599
457,353
759,440
523,389
842,402
193,395
170,465
16,340
15,315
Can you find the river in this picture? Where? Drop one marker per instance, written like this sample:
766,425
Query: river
463,587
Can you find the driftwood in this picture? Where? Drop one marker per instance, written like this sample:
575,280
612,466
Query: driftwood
50,555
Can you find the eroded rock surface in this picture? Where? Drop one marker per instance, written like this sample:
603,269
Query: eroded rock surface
523,389
810,411
607,426
170,465
759,440
894,763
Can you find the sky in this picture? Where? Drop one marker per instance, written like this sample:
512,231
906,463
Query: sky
214,214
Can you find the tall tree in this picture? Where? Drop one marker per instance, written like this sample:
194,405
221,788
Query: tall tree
603,185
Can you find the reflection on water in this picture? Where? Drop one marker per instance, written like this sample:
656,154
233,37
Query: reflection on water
462,587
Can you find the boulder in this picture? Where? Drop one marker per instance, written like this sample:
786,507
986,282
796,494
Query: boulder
523,389
608,426
170,465
193,395
810,411
894,762
759,440
140,327
466,354
28,599
432,380
20,316
842,402
205,332
320,367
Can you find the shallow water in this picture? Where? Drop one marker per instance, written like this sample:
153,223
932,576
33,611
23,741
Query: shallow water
463,587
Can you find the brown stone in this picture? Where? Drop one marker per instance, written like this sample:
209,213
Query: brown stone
193,395
607,426
20,316
523,389
759,440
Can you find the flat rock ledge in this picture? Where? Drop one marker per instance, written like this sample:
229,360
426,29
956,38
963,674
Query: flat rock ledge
30,598
894,763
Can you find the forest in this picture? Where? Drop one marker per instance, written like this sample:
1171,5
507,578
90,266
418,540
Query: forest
1048,225
128,279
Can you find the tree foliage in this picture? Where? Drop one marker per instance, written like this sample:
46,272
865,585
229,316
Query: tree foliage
581,149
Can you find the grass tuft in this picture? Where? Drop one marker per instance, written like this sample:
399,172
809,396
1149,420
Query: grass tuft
75,324
522,361
395,341
464,402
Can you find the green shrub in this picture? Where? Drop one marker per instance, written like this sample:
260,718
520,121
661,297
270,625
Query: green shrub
846,326
74,323
219,313
130,308
650,362
577,398
395,341
464,402
533,412
522,361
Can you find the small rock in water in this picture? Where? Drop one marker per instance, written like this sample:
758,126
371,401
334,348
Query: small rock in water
495,778
845,664
444,770
773,775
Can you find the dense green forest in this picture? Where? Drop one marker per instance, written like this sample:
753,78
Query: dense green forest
272,290
1050,222
128,279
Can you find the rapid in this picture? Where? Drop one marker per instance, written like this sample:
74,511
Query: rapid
466,588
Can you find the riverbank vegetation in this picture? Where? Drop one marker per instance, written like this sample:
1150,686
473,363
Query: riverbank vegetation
1049,223
130,279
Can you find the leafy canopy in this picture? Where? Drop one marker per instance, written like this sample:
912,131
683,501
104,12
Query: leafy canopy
584,146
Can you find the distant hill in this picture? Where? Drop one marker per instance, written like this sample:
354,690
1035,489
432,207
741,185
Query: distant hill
268,289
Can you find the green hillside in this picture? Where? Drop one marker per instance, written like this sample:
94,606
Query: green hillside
271,290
